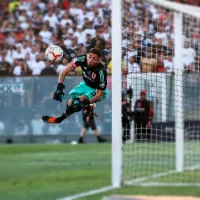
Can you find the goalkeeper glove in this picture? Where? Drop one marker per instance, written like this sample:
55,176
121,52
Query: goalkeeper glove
59,94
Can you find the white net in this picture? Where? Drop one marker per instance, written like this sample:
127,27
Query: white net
152,147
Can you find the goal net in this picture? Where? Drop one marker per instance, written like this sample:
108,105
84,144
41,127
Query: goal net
161,54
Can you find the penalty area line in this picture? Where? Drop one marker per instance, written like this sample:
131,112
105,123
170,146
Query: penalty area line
89,193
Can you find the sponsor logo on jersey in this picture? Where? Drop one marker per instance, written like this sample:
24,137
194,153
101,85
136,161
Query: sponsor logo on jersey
84,74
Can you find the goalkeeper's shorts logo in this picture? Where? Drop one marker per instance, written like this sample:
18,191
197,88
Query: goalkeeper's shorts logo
102,85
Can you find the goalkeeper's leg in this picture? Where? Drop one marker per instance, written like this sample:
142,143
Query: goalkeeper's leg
73,106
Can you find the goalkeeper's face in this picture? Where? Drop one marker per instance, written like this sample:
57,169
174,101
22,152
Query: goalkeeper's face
93,59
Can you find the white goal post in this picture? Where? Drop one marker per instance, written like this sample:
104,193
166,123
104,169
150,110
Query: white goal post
125,157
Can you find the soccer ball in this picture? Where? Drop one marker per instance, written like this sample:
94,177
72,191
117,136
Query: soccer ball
54,53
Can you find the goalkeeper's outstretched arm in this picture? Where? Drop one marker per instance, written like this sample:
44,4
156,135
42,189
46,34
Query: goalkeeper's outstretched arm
69,68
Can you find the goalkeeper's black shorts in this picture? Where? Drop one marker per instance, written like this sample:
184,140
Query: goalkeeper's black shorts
90,124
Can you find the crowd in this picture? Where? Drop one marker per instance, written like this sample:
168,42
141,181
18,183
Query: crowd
28,27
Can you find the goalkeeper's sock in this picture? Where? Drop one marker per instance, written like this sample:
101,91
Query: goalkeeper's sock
75,107
58,120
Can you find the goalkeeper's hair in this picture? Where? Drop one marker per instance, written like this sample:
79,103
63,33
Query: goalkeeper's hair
96,51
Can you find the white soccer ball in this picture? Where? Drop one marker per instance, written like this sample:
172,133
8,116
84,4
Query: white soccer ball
74,143
54,53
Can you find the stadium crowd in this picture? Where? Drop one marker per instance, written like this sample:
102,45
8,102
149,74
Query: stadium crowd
28,27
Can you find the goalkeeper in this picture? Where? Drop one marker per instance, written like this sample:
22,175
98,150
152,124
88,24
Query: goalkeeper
91,90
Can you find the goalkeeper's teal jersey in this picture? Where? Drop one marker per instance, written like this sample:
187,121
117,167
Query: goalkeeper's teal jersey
94,77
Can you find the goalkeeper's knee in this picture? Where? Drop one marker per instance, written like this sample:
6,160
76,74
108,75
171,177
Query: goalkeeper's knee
78,105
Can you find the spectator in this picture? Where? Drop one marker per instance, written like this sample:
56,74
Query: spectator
60,66
132,66
168,63
5,66
48,70
51,18
148,63
21,128
54,130
2,128
45,34
141,117
66,19
21,69
37,124
188,55
36,66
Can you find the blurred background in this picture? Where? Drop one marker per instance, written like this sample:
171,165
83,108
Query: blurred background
27,81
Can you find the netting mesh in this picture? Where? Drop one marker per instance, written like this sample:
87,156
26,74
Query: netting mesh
149,140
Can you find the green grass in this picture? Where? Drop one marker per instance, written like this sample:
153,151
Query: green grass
46,172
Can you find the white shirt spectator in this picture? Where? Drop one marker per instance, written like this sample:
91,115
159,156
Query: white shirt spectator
60,68
133,68
18,55
162,36
68,43
46,35
90,15
41,5
80,17
24,25
6,59
132,53
98,21
64,21
24,5
106,36
168,65
33,56
74,11
23,131
90,31
188,56
37,126
53,20
36,67
26,50
90,3
2,128
17,70
10,55
54,130
80,35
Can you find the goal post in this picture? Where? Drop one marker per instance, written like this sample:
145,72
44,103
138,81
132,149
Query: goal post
116,95
172,154
178,65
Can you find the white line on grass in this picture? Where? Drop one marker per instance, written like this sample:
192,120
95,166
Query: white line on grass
89,193
159,184
138,181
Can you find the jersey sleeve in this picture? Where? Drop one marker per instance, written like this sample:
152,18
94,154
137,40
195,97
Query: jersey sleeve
79,61
102,83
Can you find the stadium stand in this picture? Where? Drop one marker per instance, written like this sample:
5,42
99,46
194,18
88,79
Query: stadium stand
28,27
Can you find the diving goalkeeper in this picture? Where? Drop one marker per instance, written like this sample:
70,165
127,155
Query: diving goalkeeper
91,90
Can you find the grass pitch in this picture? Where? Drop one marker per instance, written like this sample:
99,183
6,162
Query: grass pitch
47,172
